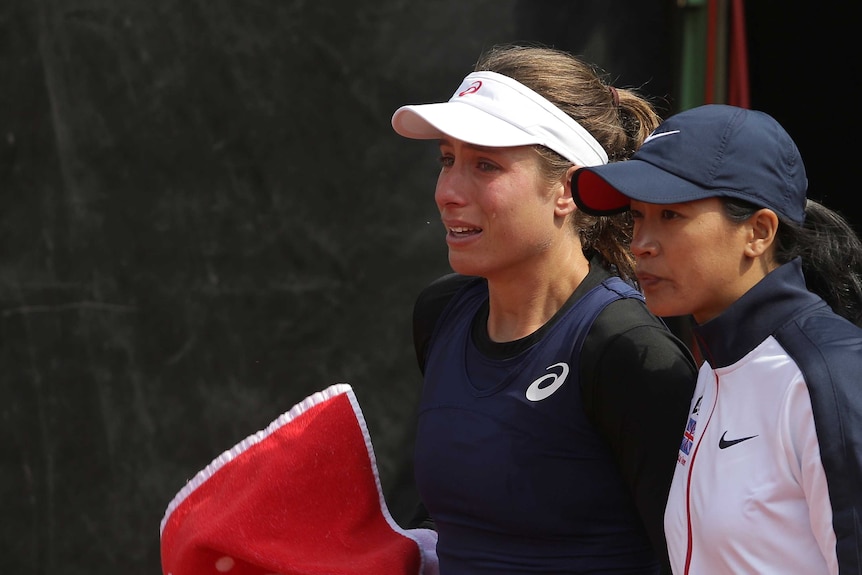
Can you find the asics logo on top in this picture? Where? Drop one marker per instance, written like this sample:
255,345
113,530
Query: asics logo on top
655,136
725,443
537,392
474,87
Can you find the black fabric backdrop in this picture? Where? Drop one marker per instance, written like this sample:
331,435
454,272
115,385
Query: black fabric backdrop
205,217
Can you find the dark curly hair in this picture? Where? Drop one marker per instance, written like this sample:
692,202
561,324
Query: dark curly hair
830,249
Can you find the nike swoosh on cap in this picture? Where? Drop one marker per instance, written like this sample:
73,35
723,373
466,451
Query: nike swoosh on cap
660,135
725,443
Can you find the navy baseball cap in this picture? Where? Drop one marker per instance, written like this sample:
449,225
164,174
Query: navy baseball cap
707,151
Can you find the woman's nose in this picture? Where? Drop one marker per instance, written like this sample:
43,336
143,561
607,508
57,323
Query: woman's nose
450,188
642,242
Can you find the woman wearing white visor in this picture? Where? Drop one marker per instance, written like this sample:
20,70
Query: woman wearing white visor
552,399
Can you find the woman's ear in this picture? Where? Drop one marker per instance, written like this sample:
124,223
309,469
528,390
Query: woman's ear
764,226
565,202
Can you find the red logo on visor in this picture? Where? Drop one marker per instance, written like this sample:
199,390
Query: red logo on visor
474,87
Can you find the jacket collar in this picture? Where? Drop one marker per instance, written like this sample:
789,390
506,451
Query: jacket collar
771,303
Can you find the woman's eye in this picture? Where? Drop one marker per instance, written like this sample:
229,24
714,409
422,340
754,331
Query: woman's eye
446,161
668,214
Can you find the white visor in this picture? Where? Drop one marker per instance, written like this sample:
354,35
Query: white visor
490,109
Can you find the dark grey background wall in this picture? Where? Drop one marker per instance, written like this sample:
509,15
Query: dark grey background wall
801,56
205,217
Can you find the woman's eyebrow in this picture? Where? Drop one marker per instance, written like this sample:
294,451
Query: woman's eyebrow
489,149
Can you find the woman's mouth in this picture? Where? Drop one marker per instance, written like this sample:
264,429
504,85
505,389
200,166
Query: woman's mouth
463,231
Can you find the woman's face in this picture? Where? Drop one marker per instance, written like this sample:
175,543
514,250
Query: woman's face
499,213
691,258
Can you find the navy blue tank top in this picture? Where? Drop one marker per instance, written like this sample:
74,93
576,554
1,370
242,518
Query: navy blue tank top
506,461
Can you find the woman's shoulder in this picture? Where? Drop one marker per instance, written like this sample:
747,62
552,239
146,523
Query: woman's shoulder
429,306
821,336
626,314
436,295
627,329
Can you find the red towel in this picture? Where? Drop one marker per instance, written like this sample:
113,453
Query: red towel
302,497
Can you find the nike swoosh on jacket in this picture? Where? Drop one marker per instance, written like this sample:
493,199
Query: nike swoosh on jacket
785,500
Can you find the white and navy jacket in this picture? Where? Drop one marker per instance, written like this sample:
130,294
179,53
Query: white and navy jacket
769,473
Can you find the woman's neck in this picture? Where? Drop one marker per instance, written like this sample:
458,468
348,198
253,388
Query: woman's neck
520,306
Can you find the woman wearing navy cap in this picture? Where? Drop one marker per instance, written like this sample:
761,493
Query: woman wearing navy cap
552,398
769,471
